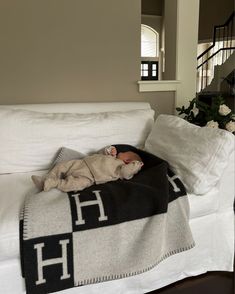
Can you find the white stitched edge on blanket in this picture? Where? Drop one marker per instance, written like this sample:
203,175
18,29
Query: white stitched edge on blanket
24,215
125,275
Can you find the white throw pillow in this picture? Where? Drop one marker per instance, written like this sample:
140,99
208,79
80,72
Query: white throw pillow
197,155
29,139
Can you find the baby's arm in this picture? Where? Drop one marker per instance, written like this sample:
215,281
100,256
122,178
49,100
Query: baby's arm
130,169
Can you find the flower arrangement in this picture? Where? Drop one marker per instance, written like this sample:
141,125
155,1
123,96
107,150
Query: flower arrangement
216,115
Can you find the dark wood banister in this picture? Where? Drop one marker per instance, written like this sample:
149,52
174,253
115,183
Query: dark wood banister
222,33
221,49
214,34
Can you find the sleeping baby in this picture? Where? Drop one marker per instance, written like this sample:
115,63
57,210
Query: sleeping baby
78,174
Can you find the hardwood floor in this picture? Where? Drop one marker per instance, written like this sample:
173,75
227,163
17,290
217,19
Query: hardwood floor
213,282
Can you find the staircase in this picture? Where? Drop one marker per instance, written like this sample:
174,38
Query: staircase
217,61
221,72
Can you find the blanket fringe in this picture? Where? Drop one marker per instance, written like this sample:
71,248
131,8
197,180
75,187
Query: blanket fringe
125,275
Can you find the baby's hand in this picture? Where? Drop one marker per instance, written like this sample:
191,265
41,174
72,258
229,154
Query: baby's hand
130,169
111,150
136,164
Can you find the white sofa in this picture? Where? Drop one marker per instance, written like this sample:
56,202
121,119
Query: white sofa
211,213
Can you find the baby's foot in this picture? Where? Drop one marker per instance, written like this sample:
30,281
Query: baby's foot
38,181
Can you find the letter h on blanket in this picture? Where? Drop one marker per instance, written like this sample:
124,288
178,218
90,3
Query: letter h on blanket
79,205
46,262
173,183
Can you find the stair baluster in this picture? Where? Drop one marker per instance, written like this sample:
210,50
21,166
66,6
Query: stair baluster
221,49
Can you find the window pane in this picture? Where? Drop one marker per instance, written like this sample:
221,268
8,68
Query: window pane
148,42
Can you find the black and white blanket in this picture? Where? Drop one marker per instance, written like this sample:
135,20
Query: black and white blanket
108,231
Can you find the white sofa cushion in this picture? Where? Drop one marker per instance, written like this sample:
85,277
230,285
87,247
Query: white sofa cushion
29,139
197,155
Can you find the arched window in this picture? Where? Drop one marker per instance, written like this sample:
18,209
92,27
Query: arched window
149,53
149,42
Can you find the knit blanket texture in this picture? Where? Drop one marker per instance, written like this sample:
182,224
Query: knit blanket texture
105,232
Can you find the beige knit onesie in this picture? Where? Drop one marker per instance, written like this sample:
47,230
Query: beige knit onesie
78,174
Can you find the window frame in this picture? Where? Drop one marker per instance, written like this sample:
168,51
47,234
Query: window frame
150,70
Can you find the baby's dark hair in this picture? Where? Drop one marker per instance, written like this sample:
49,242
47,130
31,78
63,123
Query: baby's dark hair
147,158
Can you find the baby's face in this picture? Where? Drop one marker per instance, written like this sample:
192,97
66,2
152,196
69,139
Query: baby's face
128,156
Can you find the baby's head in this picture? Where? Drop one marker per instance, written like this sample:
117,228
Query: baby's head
128,156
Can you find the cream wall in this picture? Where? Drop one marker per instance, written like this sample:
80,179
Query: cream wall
170,24
186,50
152,7
70,50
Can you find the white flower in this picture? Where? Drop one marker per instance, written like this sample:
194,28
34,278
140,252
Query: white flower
224,110
212,124
230,126
195,111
